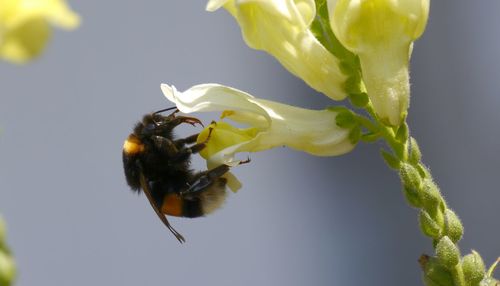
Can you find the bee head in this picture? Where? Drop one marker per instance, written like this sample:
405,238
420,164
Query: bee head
154,124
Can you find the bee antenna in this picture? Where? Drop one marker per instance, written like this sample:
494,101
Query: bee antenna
166,109
163,110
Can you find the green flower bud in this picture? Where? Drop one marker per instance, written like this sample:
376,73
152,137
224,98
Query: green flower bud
410,176
452,226
402,133
473,267
431,197
390,160
7,269
359,99
447,253
434,273
415,154
428,226
412,197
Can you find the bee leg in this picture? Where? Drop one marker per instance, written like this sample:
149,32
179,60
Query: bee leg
187,151
184,119
206,179
187,140
165,145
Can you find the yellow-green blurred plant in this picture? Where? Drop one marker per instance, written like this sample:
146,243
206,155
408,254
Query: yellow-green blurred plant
7,264
25,26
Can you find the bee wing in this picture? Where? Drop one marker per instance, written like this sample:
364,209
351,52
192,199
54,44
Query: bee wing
147,191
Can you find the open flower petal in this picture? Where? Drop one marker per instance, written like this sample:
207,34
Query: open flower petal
269,124
281,28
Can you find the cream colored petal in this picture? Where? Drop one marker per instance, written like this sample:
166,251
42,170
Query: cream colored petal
281,28
213,5
277,124
211,97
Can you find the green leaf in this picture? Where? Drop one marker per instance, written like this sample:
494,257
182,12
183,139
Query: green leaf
391,161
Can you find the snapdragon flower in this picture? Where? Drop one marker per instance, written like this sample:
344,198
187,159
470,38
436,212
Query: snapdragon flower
381,33
282,28
24,26
269,124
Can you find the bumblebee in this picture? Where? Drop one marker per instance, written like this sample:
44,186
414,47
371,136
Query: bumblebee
158,163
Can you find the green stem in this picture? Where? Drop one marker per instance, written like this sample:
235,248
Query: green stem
439,222
458,275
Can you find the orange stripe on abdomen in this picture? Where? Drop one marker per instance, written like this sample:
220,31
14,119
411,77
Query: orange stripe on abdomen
172,205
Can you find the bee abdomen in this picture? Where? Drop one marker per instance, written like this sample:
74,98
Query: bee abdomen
203,203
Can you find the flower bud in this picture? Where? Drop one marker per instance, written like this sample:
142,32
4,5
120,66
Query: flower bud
473,268
410,176
381,34
431,197
434,273
415,154
428,226
452,226
447,253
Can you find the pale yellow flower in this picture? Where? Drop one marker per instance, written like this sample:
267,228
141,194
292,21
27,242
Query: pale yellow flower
25,26
381,33
268,124
281,28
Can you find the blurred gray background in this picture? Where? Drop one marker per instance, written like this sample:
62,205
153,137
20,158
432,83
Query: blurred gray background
299,220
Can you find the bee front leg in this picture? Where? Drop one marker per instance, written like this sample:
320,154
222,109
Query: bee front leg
185,119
